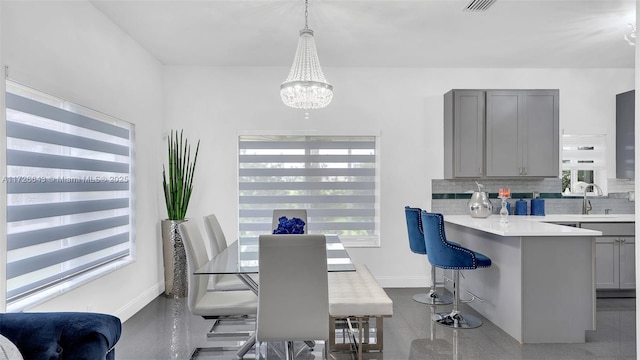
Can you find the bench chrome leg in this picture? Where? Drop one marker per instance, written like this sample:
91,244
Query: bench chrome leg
360,336
290,351
379,333
356,335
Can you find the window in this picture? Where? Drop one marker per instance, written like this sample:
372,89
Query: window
582,162
332,177
69,172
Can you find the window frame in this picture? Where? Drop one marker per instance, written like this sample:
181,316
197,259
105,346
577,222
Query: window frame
89,272
365,241
575,160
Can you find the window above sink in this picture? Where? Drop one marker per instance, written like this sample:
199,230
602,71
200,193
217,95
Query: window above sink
583,162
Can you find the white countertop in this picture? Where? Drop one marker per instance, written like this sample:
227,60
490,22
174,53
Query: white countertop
521,225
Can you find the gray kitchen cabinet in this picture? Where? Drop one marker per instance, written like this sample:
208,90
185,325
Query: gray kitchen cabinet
505,111
464,112
627,262
522,133
541,154
615,262
625,135
607,263
501,133
615,255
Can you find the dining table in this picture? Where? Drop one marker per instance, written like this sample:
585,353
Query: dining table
241,258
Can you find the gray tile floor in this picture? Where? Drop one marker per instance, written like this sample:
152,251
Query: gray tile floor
165,330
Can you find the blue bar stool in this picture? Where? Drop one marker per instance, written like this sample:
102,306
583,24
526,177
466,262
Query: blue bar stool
417,245
449,255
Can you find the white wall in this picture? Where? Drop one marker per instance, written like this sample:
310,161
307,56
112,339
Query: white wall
404,105
71,50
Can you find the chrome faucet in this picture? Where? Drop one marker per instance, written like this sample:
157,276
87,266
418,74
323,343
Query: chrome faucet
586,204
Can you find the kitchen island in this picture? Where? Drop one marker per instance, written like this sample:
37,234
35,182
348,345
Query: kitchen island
540,287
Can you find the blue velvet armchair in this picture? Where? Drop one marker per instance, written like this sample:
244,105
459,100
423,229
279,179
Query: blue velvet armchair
62,335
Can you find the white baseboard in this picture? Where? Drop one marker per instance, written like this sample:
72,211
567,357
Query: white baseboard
135,305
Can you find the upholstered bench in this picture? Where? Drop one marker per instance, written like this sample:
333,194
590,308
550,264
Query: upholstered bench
354,298
62,335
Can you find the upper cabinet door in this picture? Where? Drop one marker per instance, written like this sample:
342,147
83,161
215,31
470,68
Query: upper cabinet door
464,133
523,135
505,108
540,136
625,135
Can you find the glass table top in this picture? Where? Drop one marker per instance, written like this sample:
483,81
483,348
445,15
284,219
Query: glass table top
242,258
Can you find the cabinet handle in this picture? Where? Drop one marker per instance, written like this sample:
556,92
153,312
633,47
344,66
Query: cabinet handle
524,170
520,170
623,240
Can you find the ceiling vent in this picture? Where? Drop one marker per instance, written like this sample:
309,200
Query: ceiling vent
478,5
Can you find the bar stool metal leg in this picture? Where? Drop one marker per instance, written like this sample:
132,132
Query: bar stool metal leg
455,319
433,297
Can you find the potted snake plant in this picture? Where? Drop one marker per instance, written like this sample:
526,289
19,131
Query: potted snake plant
177,183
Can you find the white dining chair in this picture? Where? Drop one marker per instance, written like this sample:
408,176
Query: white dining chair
217,243
217,305
215,233
289,213
293,300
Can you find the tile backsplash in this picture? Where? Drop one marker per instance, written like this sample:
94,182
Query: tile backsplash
451,196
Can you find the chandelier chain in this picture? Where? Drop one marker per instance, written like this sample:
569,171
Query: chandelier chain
306,13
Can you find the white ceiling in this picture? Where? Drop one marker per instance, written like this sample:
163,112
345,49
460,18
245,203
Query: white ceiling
382,33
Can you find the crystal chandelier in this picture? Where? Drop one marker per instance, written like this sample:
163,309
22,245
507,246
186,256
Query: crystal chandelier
631,39
305,87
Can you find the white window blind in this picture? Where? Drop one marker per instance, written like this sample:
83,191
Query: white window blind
332,177
68,192
583,152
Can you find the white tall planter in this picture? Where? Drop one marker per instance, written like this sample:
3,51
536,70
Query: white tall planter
175,260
